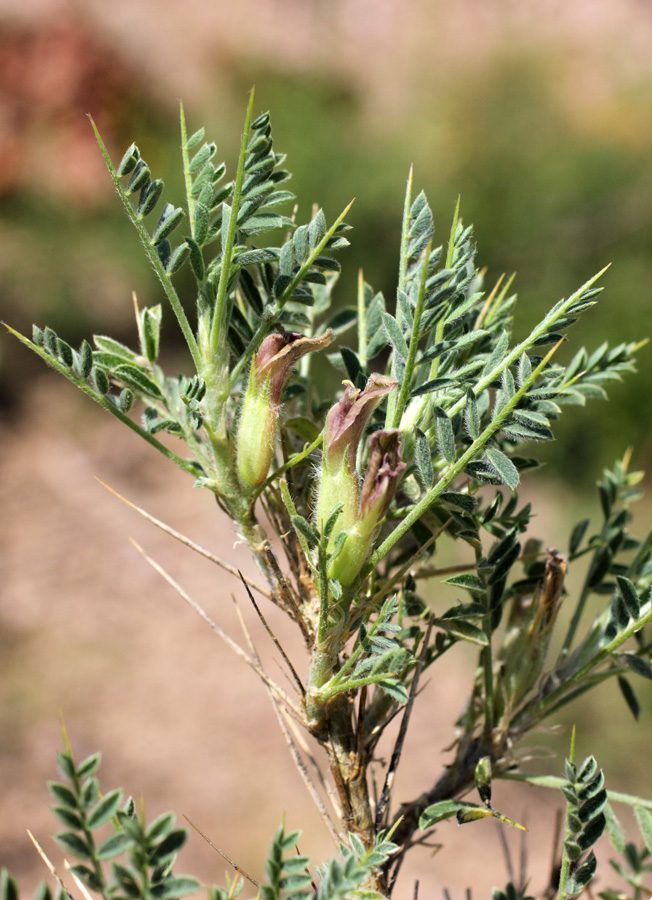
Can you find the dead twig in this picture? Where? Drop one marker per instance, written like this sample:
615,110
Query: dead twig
187,542
400,738
278,691
49,865
296,756
237,868
276,641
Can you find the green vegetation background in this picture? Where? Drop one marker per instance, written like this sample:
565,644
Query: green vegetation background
546,139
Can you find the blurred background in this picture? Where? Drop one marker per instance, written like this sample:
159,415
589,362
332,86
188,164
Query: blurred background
538,114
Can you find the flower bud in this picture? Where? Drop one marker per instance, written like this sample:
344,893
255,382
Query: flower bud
339,482
268,376
384,468
345,422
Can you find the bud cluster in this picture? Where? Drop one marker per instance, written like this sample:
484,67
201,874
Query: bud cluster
362,508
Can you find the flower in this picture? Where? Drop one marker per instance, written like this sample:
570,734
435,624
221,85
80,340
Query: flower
268,376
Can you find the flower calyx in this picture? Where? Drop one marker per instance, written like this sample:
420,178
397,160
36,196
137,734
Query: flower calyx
268,375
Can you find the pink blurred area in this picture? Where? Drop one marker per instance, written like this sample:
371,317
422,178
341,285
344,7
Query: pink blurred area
60,60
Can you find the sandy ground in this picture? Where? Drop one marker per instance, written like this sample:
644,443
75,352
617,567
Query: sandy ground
90,633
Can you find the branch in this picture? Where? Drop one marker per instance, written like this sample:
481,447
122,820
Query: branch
188,543
280,693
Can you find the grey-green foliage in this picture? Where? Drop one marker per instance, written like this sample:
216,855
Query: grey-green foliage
287,872
345,876
453,402
121,857
586,799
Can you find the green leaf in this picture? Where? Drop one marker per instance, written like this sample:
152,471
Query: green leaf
86,359
463,503
89,877
594,806
472,416
126,881
176,887
150,194
109,345
168,221
89,766
66,764
467,580
445,435
73,844
8,886
137,379
150,331
129,160
462,629
591,833
644,819
178,258
395,335
581,877
160,826
482,776
106,808
114,845
308,530
503,467
637,664
577,535
444,809
465,816
263,222
614,829
62,794
90,793
394,688
630,597
68,817
423,459
304,427
335,588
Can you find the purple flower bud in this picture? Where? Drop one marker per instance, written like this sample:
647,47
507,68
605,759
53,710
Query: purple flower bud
346,420
384,468
268,376
362,511
345,423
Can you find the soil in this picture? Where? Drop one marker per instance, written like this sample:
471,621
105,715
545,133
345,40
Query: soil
92,636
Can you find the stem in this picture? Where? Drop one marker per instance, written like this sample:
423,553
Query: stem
152,255
362,322
537,332
402,279
271,313
487,669
402,400
568,834
229,239
185,464
186,167
539,711
455,468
